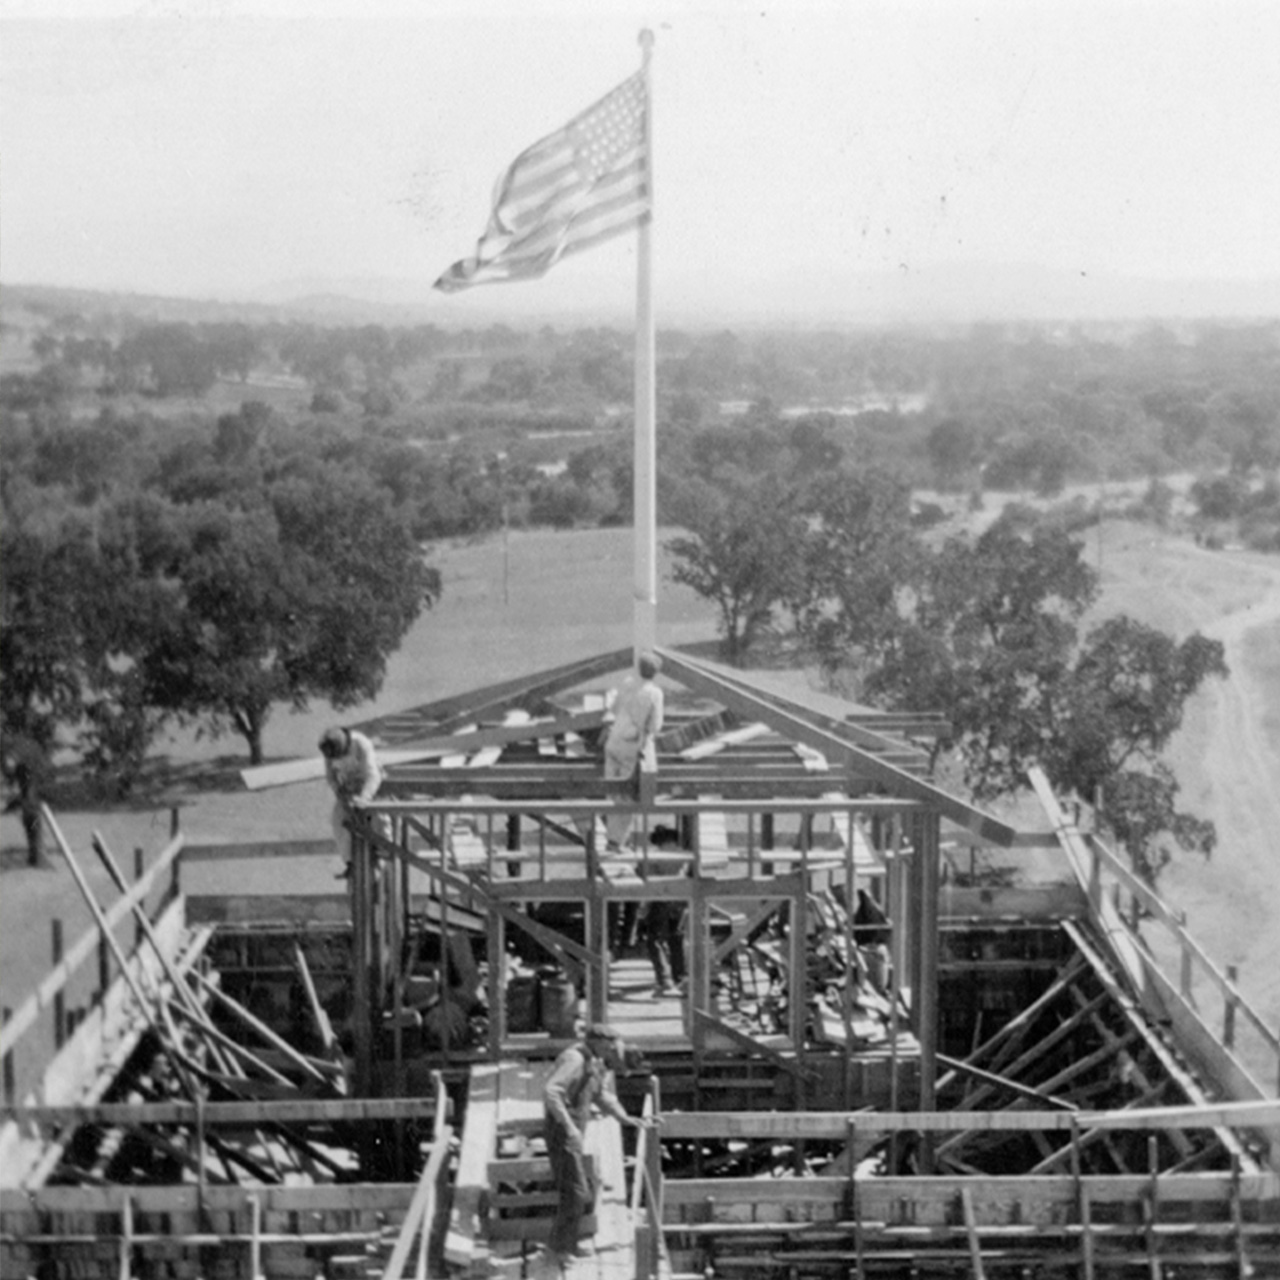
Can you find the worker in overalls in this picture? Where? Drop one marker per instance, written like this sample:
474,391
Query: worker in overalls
579,1083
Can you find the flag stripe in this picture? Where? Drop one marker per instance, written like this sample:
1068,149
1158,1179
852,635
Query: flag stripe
569,191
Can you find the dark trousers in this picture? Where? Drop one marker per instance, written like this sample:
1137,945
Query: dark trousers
664,940
573,1187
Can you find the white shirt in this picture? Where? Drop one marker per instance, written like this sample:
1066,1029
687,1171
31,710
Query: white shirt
637,710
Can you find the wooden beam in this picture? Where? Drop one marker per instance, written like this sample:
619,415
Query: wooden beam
1159,1051
971,1230
1110,1037
798,724
1038,1050
418,1217
848,727
447,714
182,1065
833,1125
56,979
471,1185
677,735
1004,1082
741,930
312,767
571,953
323,1026
295,1110
304,1064
750,1045
569,807
1020,1023
565,779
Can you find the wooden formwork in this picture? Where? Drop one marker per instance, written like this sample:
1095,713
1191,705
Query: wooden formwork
1126,1158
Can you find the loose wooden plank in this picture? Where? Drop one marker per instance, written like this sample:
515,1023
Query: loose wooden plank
833,1125
519,726
471,1185
234,1114
731,738
421,1208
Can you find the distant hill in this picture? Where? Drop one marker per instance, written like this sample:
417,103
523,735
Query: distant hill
812,296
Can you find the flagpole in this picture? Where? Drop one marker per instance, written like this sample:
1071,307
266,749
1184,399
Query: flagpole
645,601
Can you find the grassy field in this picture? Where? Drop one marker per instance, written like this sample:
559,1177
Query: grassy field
547,598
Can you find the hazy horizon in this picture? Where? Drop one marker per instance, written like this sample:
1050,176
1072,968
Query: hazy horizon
811,162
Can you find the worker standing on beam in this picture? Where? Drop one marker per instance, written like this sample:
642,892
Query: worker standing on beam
351,766
637,706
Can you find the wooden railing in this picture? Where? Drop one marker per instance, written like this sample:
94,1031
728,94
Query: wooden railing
421,1219
82,975
1216,1024
652,1262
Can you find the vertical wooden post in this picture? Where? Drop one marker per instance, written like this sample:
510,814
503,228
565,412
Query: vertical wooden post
1152,1209
653,1171
1184,983
255,1238
496,955
10,1088
361,965
104,966
126,1238
200,1151
897,908
513,844
596,932
444,955
924,977
1229,1009
797,997
699,970
977,1270
855,1204
1243,1267
59,999
850,967
1086,1232
139,869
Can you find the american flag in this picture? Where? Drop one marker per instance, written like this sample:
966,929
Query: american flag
570,191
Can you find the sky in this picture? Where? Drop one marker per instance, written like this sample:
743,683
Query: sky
262,148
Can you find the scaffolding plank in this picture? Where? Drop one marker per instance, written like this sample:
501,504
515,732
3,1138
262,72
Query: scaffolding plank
471,1186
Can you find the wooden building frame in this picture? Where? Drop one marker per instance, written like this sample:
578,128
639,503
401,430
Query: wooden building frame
494,801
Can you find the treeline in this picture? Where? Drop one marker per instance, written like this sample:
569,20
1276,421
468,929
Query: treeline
1005,407
202,573
834,565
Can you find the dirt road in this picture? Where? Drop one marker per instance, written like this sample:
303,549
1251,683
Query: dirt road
1227,755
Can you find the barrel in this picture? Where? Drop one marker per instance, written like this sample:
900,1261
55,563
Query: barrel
522,1003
